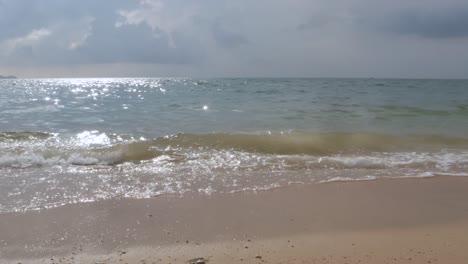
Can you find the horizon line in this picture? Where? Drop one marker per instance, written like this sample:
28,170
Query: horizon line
227,77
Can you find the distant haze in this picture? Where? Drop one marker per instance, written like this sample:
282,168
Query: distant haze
242,38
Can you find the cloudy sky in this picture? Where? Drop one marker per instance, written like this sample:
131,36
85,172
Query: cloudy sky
234,38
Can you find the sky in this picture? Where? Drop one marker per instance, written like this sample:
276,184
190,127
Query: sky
234,38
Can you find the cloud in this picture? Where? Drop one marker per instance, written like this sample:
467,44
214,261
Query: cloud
135,44
226,38
438,24
427,19
160,16
54,44
315,38
79,33
10,45
105,34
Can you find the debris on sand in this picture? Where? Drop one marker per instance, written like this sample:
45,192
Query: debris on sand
198,261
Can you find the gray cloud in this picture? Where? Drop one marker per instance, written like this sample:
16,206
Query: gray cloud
312,24
428,19
442,24
226,38
84,32
315,38
135,44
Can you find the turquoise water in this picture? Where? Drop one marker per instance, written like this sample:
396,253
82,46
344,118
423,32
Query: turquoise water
80,140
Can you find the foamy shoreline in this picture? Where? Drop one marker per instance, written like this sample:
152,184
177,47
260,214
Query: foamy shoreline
396,221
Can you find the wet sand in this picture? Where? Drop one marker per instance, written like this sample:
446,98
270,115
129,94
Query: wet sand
385,221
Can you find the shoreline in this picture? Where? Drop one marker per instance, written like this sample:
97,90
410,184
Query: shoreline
322,222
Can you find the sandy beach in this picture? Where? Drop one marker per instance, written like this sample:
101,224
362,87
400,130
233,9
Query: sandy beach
206,132
384,221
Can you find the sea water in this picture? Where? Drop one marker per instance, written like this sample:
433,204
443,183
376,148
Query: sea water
67,141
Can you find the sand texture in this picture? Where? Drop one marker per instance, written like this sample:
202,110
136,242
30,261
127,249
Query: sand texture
385,221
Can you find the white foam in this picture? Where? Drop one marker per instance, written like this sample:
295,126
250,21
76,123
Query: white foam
354,162
441,161
78,159
452,174
92,138
26,160
344,179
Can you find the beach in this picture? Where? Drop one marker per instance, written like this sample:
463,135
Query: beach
274,170
206,132
417,220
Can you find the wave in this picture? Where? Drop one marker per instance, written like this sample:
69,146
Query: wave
335,149
27,135
26,149
313,143
401,110
92,165
105,156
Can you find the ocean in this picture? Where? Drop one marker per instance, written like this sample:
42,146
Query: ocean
66,141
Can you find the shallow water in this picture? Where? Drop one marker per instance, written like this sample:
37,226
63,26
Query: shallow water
79,140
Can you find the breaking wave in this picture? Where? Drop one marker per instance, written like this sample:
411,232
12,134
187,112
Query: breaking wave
295,148
44,169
